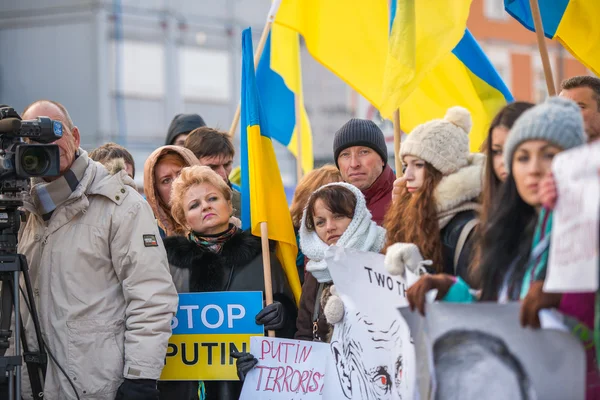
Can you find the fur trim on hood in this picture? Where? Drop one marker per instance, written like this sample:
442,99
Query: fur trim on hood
457,192
163,216
115,165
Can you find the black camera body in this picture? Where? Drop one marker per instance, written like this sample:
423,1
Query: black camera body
19,160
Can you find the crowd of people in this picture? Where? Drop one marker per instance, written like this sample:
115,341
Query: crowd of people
107,263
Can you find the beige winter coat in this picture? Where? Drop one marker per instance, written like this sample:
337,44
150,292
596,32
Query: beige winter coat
102,287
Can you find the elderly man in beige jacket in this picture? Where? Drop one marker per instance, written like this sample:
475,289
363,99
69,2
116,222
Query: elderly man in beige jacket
100,277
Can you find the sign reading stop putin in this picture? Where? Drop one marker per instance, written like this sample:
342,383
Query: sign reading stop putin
207,328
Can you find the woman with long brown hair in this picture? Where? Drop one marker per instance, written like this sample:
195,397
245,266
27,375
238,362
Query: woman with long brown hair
436,208
495,171
493,148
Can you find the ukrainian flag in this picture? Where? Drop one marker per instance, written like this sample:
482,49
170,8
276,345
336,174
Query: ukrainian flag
574,23
464,77
422,33
279,81
458,72
354,42
263,197
349,38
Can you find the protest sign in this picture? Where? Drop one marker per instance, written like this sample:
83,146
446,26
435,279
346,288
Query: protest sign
206,329
287,369
573,258
480,351
371,348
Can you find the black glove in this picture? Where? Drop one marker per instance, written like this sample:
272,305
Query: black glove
137,389
244,363
272,316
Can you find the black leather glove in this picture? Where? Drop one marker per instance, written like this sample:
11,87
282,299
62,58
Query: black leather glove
244,363
272,316
137,389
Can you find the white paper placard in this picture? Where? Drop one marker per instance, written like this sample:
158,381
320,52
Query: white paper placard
573,258
372,351
286,370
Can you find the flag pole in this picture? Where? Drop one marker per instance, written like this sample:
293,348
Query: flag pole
257,55
298,110
397,143
266,256
539,31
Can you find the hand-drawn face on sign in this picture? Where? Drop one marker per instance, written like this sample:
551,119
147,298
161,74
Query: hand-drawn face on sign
361,352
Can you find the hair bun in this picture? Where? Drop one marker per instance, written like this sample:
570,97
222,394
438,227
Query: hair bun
460,117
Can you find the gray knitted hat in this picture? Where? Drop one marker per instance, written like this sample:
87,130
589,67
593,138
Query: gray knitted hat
443,143
359,132
557,120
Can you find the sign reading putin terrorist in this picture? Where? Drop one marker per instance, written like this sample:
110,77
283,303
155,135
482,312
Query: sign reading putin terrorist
206,329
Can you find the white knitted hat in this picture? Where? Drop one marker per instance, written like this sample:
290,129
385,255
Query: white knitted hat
443,143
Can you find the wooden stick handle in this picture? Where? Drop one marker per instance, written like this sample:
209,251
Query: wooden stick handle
266,256
397,142
298,111
539,31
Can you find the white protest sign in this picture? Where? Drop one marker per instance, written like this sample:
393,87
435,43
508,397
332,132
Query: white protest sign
573,258
372,351
287,369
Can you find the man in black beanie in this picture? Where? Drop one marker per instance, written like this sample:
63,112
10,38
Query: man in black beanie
360,153
181,126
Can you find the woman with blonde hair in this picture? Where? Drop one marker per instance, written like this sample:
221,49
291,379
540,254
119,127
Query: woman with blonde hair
221,257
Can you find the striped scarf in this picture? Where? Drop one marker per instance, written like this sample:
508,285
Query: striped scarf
47,196
213,242
540,248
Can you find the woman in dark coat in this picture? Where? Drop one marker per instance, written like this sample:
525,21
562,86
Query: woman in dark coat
221,257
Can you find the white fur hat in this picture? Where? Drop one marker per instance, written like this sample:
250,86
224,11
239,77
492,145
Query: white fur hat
443,143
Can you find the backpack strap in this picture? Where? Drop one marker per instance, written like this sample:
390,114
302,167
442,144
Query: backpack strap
462,239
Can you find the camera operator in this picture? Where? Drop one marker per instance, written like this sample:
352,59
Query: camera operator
100,277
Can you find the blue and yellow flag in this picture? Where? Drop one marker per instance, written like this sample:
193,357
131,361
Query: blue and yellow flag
574,23
354,42
422,33
279,81
458,72
464,77
348,37
263,197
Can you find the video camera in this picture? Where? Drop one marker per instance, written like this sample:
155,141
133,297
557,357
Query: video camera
20,161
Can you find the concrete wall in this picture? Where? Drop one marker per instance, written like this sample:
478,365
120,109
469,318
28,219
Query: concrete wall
66,50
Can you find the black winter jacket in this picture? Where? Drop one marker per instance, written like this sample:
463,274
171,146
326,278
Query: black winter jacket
239,267
449,235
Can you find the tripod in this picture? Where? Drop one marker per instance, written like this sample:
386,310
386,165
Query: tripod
11,266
